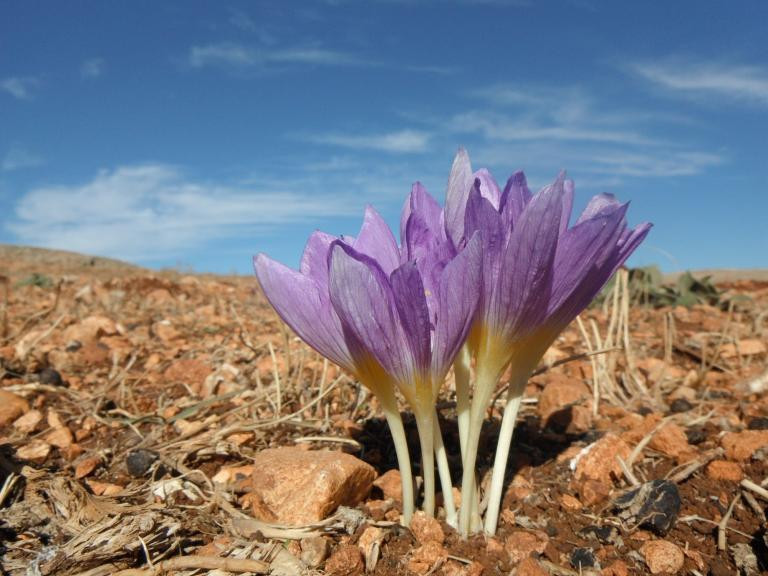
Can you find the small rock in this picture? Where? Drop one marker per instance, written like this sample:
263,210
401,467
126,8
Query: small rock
90,329
86,466
671,440
391,485
50,377
559,397
530,567
742,348
314,551
215,547
103,488
36,451
238,479
598,461
60,437
618,568
347,560
570,503
725,470
520,544
425,557
654,505
285,564
744,445
189,371
758,423
583,558
680,405
696,435
300,486
426,529
662,556
28,422
138,462
11,407
593,491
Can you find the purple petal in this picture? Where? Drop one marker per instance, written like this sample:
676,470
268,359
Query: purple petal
581,248
598,205
363,299
526,274
420,202
376,240
430,252
568,189
488,187
514,199
314,260
482,217
459,185
298,301
597,276
411,304
458,297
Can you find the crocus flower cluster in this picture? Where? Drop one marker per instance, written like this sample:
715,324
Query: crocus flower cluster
484,284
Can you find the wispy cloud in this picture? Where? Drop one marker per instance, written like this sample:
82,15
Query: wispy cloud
19,87
17,158
92,68
153,212
402,141
707,80
238,55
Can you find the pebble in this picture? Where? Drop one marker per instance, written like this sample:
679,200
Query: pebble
725,470
50,377
11,407
530,567
744,445
654,505
314,551
520,544
758,423
680,405
426,529
347,560
663,557
391,485
583,558
138,462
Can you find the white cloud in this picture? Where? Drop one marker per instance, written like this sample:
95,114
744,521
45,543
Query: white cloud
92,68
238,55
17,158
19,87
153,212
708,79
402,141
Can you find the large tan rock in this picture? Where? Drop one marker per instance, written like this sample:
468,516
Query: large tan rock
295,487
562,403
90,329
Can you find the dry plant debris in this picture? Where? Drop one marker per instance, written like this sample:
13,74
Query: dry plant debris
134,405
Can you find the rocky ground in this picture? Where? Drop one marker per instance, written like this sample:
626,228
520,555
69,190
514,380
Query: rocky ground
167,423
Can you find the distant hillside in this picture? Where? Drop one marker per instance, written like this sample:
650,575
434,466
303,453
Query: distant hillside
20,260
725,274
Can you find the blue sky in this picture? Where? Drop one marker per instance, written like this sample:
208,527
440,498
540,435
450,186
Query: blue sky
196,134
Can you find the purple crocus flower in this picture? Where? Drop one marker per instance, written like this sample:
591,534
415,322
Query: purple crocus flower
391,316
539,273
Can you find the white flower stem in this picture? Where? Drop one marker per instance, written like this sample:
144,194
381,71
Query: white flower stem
461,371
426,427
485,383
445,475
392,414
495,493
